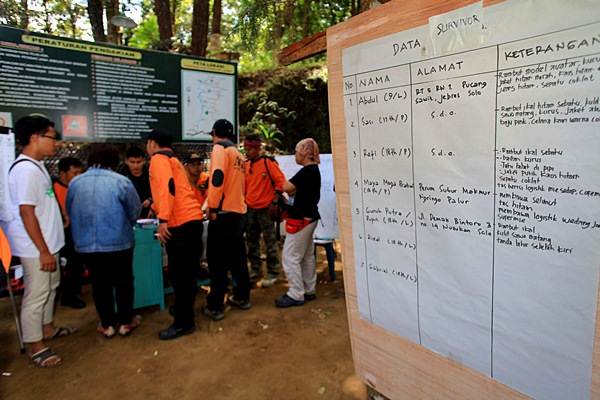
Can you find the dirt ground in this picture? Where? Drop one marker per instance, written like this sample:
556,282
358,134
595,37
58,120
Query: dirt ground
264,353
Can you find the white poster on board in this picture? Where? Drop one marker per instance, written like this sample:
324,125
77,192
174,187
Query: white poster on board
205,98
7,157
475,189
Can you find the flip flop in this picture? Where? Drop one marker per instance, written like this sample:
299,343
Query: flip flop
61,332
106,332
125,330
42,358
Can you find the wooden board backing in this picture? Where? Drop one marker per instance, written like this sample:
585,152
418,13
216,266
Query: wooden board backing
388,363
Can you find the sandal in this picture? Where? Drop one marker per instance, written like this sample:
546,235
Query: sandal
44,358
106,332
61,332
125,330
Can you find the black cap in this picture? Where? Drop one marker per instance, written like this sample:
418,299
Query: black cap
222,128
193,157
162,138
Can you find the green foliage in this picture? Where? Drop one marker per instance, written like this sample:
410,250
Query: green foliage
257,29
256,61
10,12
302,92
58,17
269,25
183,23
145,36
67,17
266,120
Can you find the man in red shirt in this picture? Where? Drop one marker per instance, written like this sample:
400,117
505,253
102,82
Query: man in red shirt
68,168
264,184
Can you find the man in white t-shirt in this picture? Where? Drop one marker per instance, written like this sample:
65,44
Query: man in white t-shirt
36,235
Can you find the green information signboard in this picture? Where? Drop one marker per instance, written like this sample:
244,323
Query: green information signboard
100,92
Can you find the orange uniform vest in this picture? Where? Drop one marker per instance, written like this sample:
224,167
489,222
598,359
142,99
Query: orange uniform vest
263,179
60,191
174,199
5,253
201,187
227,179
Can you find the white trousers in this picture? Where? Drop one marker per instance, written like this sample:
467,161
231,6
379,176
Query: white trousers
37,307
299,263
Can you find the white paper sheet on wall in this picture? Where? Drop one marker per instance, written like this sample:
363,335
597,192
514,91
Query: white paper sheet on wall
475,190
458,30
7,156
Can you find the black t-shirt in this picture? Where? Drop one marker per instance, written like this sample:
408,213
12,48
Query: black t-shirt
308,193
142,187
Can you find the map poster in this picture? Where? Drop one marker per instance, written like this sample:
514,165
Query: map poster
206,97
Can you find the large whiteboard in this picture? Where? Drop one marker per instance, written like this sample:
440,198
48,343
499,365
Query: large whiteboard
475,188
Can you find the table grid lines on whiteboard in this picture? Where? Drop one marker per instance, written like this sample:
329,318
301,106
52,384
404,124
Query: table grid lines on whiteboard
415,205
366,262
373,129
494,220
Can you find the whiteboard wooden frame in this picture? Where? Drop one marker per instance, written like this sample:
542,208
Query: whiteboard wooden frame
388,363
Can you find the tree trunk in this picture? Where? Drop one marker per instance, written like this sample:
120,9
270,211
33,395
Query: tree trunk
162,10
217,12
96,14
24,15
354,7
200,27
112,9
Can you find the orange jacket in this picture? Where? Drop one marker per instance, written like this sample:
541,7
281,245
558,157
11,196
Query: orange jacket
201,187
173,196
227,181
263,180
60,191
5,254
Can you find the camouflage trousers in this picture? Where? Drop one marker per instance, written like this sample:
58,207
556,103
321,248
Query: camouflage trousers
257,223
